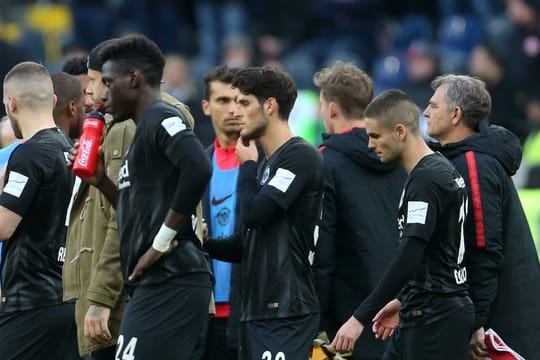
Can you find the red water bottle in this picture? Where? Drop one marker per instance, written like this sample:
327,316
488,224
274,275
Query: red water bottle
85,161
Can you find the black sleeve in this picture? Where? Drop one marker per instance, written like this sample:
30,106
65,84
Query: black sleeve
324,261
256,209
185,152
421,205
225,249
484,234
24,174
394,278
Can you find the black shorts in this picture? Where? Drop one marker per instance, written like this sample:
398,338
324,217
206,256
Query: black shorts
43,333
278,339
445,339
165,321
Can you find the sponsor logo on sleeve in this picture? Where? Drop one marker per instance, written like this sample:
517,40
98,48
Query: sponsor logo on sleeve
417,212
282,179
16,184
173,125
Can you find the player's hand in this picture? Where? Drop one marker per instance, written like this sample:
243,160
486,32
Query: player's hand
347,335
99,171
96,324
148,259
387,320
246,151
477,345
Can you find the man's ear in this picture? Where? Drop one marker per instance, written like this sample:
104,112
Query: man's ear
205,105
134,78
270,106
457,115
400,131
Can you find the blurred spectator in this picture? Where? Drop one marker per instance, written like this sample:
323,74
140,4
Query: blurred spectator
11,56
237,51
218,20
177,79
487,64
422,68
7,137
523,48
531,148
92,21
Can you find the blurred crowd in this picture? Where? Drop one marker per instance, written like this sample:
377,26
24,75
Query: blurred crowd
400,44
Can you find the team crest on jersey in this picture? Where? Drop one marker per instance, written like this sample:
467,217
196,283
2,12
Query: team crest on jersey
123,176
224,216
266,175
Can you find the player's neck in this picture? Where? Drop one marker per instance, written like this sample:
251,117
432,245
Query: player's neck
35,122
276,134
415,150
458,134
225,140
147,97
345,124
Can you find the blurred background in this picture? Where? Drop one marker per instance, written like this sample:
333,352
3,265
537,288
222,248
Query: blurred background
402,44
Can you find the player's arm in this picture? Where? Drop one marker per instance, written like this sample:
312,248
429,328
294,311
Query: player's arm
225,249
394,278
9,221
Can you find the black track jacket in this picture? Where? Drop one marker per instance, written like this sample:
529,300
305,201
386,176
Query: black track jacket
502,264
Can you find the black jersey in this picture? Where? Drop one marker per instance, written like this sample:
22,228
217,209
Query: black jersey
277,281
433,208
38,188
165,163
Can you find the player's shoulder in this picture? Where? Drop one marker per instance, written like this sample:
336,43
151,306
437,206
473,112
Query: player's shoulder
300,148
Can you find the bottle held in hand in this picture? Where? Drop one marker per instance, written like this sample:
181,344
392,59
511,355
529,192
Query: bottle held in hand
85,161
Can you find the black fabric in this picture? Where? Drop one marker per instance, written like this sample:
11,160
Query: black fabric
445,339
107,353
218,344
504,274
165,319
277,280
164,168
278,339
47,332
37,188
358,236
438,284
395,277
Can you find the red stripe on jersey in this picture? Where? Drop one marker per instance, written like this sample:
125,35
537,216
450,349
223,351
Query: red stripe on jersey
476,200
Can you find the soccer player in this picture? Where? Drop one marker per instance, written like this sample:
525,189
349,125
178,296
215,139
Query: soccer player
220,209
428,273
34,322
280,204
357,232
161,179
503,269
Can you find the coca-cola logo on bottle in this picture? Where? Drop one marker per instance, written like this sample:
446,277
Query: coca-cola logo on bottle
85,147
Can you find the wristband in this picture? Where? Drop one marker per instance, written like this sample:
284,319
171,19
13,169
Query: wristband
163,239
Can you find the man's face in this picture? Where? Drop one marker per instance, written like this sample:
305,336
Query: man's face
95,87
220,108
438,115
324,107
84,80
251,115
12,118
116,91
78,118
382,141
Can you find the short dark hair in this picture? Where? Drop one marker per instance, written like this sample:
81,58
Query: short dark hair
136,52
266,82
221,73
66,88
346,85
469,94
76,66
394,106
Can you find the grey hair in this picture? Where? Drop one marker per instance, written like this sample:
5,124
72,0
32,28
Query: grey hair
469,94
